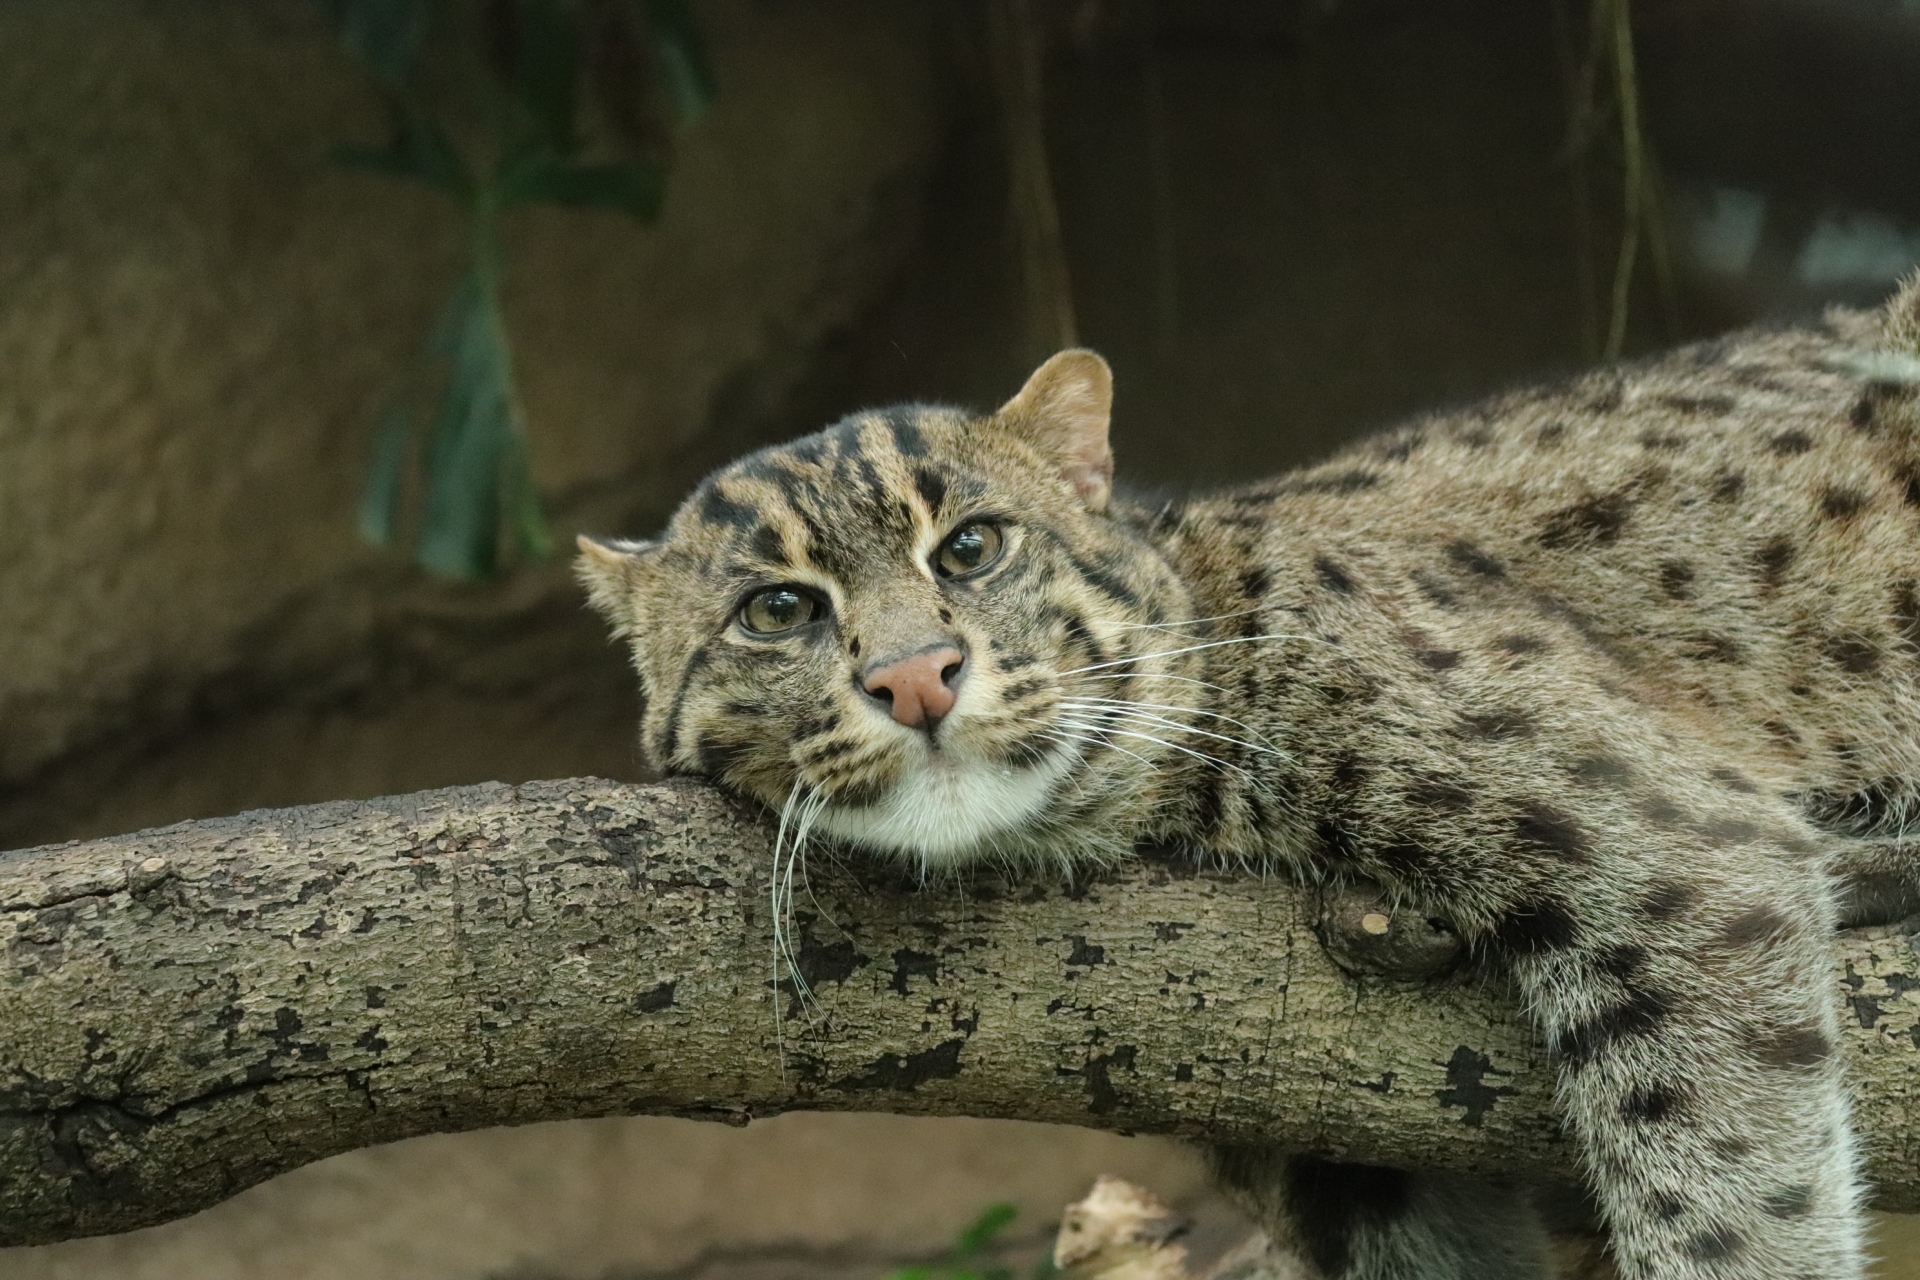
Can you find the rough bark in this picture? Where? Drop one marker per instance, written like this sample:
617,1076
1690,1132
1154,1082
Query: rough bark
187,1011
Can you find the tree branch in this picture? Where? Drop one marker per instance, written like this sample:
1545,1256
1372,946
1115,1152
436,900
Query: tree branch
187,1011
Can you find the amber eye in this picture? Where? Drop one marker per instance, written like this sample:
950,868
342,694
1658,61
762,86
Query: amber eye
968,549
778,609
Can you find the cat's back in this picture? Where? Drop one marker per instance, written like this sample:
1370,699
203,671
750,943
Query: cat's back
1731,531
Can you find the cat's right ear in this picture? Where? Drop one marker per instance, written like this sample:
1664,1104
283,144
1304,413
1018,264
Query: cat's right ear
1064,411
607,568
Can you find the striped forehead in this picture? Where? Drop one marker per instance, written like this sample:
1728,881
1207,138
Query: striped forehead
830,500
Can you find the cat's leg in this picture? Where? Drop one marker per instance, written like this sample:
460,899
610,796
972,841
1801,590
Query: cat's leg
1358,1222
1670,926
1699,1067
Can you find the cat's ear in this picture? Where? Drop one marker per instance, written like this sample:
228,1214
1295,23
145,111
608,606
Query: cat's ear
607,568
1064,411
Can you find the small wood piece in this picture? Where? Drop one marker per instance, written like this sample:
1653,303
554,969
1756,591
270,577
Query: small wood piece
1122,1231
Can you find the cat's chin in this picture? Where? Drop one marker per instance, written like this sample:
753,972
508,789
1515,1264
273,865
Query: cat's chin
951,813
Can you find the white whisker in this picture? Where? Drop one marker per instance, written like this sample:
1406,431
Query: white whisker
1160,675
1088,740
1164,706
1192,648
1190,622
1148,737
782,941
1133,713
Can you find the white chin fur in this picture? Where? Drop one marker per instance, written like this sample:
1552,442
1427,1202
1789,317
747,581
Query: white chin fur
948,811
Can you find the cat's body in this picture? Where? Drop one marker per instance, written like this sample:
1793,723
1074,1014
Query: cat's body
1618,676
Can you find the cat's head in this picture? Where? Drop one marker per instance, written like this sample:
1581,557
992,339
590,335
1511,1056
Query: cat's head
915,626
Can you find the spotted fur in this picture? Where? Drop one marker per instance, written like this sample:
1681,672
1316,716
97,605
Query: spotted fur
1620,675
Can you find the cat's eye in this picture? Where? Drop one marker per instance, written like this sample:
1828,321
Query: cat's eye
776,609
969,549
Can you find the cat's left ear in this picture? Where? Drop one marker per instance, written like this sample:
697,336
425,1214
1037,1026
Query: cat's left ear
607,568
1064,411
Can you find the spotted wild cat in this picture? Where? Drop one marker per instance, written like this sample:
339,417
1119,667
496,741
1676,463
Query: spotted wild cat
1622,676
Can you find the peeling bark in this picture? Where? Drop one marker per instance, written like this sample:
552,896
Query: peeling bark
188,1011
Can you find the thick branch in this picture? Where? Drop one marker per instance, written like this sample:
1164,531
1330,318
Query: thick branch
185,1012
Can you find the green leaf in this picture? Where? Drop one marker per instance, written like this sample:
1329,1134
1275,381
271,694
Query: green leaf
525,519
380,500
477,485
460,527
981,1234
384,35
419,149
549,72
634,188
1043,1269
682,57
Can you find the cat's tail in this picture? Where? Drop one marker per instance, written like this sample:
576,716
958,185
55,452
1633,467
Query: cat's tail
1358,1222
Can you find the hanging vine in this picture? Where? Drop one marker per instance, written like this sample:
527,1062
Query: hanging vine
1604,107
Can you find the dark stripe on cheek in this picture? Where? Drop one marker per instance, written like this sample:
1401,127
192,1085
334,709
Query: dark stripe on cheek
1105,582
814,728
695,665
713,758
829,751
1078,633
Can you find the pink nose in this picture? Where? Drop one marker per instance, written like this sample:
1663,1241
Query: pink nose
918,689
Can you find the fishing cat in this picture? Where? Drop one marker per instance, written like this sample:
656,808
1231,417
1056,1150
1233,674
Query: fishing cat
1620,676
